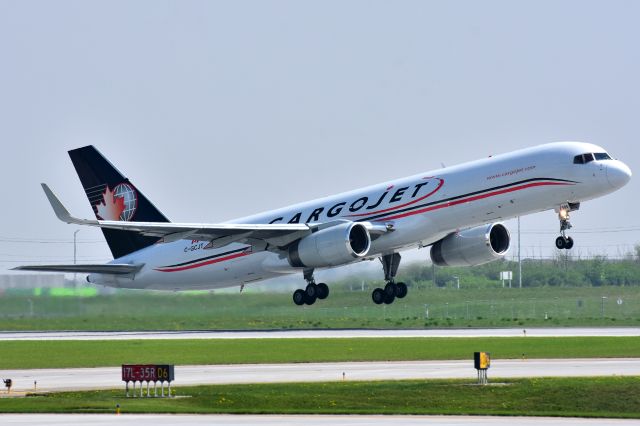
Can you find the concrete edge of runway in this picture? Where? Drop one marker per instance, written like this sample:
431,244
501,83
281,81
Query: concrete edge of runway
72,379
324,333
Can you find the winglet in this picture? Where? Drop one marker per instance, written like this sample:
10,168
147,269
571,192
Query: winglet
61,212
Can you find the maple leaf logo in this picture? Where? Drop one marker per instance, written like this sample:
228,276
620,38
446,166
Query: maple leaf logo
111,206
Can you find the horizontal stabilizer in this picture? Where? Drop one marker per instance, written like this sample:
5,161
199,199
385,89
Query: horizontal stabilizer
109,268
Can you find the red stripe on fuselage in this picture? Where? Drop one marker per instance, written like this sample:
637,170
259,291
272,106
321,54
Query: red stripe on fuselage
208,262
474,198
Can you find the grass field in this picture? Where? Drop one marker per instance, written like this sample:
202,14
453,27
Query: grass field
422,308
67,354
592,397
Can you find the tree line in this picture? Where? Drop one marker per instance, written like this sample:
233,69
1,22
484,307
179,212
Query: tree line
562,270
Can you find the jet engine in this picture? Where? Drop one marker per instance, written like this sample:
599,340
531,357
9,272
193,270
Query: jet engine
331,246
472,247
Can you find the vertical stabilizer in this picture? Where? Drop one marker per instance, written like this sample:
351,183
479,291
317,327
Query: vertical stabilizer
113,197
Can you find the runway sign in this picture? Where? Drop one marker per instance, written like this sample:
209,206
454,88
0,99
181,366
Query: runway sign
482,362
149,373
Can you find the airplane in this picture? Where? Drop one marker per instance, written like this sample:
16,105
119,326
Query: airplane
456,210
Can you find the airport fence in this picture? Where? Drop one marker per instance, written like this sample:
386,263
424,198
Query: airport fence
423,307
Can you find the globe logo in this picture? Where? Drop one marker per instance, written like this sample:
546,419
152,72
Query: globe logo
130,200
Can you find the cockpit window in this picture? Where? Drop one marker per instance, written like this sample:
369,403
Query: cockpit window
589,157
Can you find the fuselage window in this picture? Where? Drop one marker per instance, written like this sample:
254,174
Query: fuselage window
602,156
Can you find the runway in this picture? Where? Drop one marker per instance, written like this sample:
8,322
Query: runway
109,377
310,334
307,420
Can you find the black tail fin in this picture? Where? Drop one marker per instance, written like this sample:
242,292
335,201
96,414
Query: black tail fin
113,197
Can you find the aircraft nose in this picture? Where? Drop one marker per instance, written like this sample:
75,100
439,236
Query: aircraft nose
618,174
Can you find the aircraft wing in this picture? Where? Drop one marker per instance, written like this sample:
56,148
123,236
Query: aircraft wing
110,268
219,234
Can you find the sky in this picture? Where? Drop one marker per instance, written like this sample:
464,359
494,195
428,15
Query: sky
217,110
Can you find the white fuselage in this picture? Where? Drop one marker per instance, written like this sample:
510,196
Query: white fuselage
422,209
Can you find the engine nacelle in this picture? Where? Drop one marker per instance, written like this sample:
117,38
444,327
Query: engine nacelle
332,246
472,247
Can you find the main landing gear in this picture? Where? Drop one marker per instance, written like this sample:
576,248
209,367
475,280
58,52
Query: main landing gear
391,290
312,292
563,242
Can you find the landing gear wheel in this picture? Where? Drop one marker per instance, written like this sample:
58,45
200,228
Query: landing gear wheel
389,299
311,294
378,296
298,297
322,290
401,290
390,289
311,291
568,243
561,243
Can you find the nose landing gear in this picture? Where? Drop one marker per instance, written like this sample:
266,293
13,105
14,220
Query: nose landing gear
563,242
